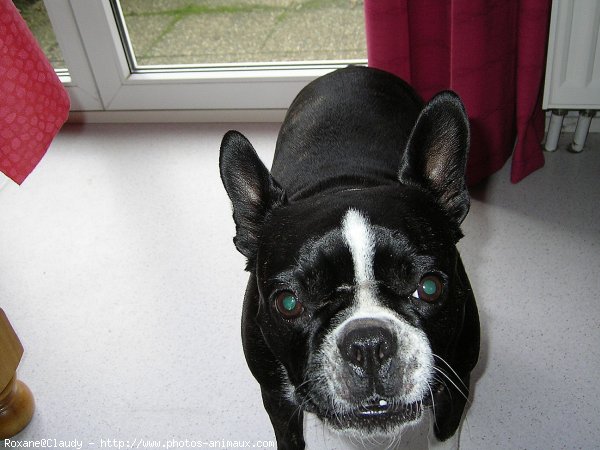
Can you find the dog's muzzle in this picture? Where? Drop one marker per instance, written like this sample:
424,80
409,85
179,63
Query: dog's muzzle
377,370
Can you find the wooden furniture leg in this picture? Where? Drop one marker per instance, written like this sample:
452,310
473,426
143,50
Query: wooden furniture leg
16,400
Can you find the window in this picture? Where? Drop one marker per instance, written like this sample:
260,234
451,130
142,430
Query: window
233,56
240,33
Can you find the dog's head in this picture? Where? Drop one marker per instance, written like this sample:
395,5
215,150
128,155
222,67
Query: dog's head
359,298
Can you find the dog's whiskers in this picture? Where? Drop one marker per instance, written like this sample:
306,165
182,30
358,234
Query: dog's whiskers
432,406
445,375
452,370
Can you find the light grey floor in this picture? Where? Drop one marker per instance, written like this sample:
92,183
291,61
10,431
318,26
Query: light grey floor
118,273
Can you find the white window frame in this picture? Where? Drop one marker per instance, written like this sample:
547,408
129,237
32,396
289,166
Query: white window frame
100,79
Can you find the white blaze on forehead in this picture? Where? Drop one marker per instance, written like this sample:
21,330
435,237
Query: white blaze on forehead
359,237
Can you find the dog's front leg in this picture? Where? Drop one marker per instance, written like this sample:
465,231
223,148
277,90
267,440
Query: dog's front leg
287,421
452,443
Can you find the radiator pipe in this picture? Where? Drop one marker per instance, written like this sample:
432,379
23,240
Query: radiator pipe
556,120
581,131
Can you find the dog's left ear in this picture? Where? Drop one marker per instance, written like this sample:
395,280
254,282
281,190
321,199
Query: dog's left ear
251,189
436,154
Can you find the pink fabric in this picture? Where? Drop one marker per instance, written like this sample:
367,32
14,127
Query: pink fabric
492,53
33,103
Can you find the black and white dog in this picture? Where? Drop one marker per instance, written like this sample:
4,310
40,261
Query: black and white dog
358,308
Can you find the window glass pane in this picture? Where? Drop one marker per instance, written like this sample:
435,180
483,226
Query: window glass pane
199,32
36,17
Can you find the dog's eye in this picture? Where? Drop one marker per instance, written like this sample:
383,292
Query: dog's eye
429,288
288,305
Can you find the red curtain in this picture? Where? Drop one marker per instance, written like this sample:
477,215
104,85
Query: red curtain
33,103
491,53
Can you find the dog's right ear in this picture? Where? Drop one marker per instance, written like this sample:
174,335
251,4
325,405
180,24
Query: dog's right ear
252,191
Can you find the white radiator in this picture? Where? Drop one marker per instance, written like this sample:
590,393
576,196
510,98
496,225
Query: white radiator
573,68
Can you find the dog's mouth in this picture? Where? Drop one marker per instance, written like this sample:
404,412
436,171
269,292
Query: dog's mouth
375,416
389,410
376,408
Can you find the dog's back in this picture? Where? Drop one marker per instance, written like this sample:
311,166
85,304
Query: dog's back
357,115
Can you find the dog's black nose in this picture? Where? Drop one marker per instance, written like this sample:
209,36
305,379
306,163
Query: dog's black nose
367,344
